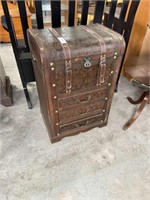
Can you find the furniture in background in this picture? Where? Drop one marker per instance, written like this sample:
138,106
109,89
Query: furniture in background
91,11
46,9
5,88
137,70
14,12
31,5
139,30
122,24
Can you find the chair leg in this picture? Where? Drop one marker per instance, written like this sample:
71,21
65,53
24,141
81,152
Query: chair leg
27,98
137,113
137,101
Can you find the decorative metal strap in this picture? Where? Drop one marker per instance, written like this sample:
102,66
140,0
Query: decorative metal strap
67,54
102,63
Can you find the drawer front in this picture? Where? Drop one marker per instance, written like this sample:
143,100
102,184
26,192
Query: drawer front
81,98
82,123
80,111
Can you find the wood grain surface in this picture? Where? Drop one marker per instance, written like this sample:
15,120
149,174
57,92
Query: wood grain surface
14,12
139,30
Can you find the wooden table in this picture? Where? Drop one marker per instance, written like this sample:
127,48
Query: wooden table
14,12
137,70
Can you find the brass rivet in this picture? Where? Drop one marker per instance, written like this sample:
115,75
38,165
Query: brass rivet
52,68
112,72
115,52
58,134
68,81
115,57
56,124
51,64
55,97
106,98
56,111
109,83
54,85
103,110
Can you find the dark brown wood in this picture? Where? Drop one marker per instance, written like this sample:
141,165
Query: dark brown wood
137,101
87,102
146,100
137,71
75,132
119,23
56,22
5,88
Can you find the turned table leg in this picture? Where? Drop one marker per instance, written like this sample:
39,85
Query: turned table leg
139,100
145,100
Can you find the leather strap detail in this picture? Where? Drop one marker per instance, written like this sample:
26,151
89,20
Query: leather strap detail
115,35
102,63
67,54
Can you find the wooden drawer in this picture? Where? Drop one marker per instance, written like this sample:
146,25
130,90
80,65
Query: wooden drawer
97,119
81,111
83,97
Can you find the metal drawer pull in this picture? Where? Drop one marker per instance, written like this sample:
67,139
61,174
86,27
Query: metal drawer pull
88,97
82,125
87,62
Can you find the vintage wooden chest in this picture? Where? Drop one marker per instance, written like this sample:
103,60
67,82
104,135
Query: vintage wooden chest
76,70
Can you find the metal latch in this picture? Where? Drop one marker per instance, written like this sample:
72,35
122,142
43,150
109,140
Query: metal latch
87,62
